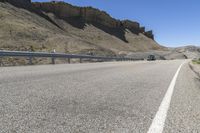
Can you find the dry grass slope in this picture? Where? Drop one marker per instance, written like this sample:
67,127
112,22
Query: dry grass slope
21,29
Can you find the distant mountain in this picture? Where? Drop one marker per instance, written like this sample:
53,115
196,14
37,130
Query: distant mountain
186,52
189,51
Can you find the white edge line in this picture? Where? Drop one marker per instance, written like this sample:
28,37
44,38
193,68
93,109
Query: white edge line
158,123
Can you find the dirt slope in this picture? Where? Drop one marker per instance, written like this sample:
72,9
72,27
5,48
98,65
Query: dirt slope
189,51
21,29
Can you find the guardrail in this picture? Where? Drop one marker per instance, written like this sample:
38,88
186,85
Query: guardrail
53,56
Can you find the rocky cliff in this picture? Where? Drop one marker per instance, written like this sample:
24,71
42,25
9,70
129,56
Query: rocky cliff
69,29
90,15
19,3
72,13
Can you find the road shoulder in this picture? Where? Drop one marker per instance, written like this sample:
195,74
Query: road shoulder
195,68
183,115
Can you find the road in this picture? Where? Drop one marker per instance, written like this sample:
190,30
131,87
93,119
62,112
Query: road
118,97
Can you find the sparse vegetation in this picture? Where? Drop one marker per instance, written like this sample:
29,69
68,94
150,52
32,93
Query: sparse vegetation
196,61
77,31
26,31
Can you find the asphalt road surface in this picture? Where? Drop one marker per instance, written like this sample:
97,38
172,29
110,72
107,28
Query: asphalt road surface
118,97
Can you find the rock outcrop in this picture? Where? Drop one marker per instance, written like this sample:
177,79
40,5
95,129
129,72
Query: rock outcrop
78,16
19,3
67,29
67,11
89,15
149,34
132,26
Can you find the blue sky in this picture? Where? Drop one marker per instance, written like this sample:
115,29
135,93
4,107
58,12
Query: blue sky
174,22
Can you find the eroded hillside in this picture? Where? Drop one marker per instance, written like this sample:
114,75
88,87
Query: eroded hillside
47,26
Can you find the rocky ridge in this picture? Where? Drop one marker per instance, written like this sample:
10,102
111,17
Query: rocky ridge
90,15
72,13
19,3
26,26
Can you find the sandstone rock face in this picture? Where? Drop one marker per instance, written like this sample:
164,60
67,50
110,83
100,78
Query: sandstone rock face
149,34
76,15
90,15
67,11
19,3
38,30
94,15
142,29
133,26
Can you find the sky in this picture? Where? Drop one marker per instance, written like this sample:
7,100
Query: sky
174,22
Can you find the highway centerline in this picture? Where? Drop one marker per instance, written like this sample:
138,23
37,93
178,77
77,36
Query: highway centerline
158,123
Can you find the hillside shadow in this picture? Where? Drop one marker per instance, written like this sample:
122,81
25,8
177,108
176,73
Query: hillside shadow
117,32
30,8
41,14
80,23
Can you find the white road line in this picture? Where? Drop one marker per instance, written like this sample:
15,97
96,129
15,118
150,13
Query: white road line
160,117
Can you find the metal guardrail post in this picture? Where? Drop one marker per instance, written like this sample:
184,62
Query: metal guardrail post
52,60
80,60
30,61
1,62
69,60
30,57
